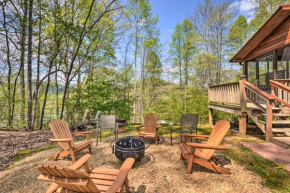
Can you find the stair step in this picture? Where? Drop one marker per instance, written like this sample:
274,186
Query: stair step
280,130
274,114
280,115
282,122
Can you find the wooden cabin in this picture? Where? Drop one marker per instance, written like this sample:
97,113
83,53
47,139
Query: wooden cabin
263,91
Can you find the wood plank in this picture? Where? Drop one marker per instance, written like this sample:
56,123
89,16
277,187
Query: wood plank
281,130
234,110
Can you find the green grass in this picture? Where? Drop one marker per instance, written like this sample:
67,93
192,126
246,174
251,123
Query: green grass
275,177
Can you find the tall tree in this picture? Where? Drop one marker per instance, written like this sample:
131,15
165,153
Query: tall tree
238,34
29,65
182,50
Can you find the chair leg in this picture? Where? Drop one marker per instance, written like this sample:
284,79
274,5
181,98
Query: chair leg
100,135
189,165
181,157
72,156
90,150
171,137
180,137
127,185
53,158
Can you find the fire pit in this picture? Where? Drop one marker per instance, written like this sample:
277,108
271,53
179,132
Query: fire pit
130,146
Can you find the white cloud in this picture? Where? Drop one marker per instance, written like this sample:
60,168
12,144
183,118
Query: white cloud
169,30
245,7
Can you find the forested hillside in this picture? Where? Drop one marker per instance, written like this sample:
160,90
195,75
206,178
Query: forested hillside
65,56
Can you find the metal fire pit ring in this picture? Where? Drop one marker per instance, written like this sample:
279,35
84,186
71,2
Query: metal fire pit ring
129,146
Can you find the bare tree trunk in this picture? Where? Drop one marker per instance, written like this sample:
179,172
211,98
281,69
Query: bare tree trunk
135,77
22,60
29,66
38,67
9,67
45,96
56,91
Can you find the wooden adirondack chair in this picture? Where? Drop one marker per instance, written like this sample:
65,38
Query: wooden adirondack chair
64,138
202,154
95,180
150,128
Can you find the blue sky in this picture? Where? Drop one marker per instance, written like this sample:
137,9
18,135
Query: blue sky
171,12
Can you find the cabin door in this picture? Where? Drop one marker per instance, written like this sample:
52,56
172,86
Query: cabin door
265,72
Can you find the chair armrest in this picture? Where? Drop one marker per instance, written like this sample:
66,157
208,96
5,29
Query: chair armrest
61,140
186,136
195,136
82,133
122,175
138,128
158,126
81,162
205,146
87,133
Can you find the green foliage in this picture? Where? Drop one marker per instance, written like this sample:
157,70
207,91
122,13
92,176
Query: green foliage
238,34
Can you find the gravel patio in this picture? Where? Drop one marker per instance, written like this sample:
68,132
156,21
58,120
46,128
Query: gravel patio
159,171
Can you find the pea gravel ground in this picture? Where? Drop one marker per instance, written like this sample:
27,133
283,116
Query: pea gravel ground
160,171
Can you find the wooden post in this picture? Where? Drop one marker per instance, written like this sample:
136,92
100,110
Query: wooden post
257,73
210,111
243,104
243,125
275,65
269,117
210,117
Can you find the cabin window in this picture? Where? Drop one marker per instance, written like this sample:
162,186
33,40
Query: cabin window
265,69
283,62
251,77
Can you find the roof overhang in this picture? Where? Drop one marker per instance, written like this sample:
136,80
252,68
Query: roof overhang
276,19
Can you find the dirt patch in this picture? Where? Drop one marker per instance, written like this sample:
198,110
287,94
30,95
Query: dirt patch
159,171
12,142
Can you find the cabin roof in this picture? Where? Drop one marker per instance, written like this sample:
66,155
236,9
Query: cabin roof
274,21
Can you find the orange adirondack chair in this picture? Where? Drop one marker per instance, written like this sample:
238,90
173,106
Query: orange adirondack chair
94,180
150,128
202,154
64,138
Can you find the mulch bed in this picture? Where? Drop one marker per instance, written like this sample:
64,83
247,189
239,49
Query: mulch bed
159,171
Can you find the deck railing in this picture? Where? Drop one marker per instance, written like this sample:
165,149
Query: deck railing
228,93
281,90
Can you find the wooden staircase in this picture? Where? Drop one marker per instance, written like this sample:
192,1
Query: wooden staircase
271,112
280,122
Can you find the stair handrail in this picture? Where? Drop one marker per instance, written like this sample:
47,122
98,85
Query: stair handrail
277,85
259,92
250,89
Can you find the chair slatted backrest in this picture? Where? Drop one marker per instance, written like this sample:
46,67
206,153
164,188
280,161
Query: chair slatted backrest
189,121
150,123
60,130
108,121
217,135
67,178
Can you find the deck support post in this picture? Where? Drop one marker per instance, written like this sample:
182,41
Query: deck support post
269,116
210,117
243,103
242,125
